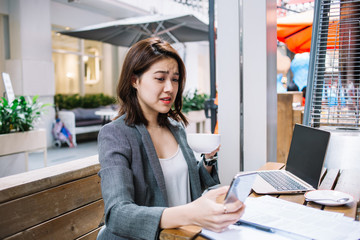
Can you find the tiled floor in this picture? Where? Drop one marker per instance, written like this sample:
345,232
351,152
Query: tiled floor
63,154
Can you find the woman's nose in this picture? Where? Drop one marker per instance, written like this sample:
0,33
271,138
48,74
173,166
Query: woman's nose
168,85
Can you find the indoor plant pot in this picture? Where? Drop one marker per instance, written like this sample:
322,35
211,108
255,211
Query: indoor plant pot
17,134
193,108
17,142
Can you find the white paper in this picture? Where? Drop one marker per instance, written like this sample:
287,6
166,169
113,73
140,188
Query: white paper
289,221
296,218
243,232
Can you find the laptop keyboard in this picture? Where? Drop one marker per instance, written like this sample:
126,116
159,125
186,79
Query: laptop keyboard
281,181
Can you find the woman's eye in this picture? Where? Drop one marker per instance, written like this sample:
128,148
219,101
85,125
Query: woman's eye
160,79
176,80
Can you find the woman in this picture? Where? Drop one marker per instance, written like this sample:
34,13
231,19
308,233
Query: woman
149,176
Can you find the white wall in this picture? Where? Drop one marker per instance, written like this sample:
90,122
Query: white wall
246,58
204,68
73,17
259,89
168,7
197,67
30,65
2,54
228,81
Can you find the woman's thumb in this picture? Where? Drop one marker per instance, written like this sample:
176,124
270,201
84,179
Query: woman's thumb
218,192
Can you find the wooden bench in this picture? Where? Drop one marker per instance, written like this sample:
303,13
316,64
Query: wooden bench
58,202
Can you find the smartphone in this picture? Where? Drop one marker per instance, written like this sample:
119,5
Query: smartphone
240,187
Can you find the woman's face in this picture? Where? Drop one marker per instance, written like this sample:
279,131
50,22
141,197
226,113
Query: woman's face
157,87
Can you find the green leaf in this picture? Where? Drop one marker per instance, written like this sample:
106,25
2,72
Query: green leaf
87,101
21,115
194,101
35,98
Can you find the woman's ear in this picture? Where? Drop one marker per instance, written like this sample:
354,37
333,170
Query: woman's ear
134,81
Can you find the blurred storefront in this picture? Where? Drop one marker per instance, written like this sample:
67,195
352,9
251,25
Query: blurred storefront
40,61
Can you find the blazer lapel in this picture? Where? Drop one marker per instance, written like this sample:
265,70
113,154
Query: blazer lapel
153,159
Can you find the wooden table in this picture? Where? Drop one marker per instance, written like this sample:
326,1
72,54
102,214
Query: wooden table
347,181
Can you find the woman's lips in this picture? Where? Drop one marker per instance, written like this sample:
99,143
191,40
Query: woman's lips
166,100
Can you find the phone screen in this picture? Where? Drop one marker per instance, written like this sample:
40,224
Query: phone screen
240,187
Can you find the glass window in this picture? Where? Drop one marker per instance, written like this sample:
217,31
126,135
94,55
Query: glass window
77,64
92,66
65,43
67,73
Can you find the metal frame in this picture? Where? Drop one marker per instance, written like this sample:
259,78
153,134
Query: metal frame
211,105
313,58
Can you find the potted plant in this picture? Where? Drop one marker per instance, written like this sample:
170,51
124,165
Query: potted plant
194,101
17,120
87,101
193,107
20,115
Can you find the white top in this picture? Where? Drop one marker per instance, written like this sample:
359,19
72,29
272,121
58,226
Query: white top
176,176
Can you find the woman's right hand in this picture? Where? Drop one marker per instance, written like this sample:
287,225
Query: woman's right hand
209,214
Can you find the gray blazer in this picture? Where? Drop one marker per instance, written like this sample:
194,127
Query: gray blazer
132,182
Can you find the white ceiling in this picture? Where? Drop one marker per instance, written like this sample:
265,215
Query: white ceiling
109,8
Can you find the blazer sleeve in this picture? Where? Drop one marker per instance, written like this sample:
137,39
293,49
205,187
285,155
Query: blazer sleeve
123,217
208,179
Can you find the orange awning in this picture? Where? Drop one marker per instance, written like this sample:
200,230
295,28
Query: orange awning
296,30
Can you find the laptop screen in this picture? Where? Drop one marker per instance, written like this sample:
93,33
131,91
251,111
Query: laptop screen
307,153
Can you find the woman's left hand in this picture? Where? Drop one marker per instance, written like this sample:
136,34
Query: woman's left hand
208,213
210,155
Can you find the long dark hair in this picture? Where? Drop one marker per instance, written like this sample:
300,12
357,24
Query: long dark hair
140,57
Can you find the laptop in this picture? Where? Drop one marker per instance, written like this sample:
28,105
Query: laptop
303,167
